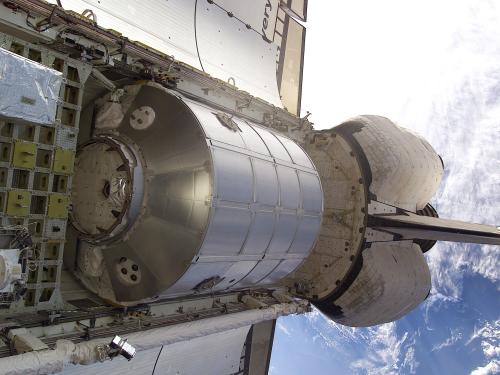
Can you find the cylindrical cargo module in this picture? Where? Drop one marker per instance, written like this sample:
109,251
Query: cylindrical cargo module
190,199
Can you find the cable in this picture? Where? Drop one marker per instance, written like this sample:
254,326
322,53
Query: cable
196,36
157,358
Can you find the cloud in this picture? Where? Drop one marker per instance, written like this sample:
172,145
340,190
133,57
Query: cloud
283,328
489,337
492,368
331,334
410,362
462,123
387,352
456,336
374,350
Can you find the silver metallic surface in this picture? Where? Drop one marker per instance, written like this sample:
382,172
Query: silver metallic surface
28,90
224,198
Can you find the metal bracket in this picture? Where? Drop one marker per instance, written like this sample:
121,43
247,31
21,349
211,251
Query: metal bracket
208,283
227,121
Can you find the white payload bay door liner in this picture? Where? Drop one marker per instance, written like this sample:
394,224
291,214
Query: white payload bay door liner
166,26
216,354
200,34
259,14
227,48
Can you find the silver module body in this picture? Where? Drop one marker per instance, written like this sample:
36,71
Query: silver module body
226,204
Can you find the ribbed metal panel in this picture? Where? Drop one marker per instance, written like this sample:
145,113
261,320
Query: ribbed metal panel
221,196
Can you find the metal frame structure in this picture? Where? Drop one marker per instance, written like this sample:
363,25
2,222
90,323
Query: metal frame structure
45,184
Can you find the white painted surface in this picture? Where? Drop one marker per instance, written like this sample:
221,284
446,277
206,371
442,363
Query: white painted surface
227,49
142,364
344,199
406,171
199,34
217,354
67,353
166,26
211,355
253,13
394,280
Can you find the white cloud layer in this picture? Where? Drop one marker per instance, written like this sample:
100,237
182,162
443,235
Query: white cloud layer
384,351
489,337
283,328
492,368
455,337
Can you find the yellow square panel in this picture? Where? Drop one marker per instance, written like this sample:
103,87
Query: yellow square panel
58,206
18,203
24,155
63,161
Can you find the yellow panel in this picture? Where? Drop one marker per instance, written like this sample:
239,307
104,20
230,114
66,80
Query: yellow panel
18,203
24,155
58,206
63,161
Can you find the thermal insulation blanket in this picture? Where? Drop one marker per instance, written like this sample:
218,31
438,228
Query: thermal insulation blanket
28,91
